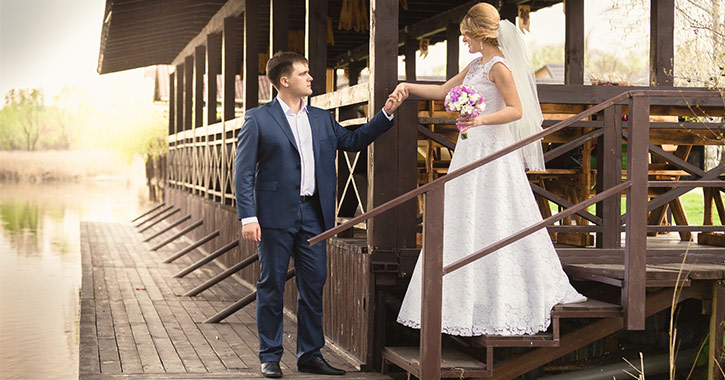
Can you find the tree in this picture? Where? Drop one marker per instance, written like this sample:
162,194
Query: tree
26,112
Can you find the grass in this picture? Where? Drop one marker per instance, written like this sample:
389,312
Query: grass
60,165
693,203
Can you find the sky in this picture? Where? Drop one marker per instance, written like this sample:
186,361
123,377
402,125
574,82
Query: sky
51,44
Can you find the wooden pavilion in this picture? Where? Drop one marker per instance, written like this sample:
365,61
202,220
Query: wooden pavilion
371,257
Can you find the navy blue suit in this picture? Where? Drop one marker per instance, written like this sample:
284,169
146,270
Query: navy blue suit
267,185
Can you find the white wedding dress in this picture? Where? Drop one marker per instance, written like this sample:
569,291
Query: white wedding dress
512,290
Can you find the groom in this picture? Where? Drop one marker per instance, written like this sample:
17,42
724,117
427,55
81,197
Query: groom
284,178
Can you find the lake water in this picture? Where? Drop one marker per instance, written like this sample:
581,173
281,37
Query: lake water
40,269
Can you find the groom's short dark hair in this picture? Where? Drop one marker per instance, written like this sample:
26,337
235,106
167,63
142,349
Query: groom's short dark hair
281,65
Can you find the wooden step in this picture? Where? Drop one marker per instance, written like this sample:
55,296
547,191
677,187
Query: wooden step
543,339
454,364
590,308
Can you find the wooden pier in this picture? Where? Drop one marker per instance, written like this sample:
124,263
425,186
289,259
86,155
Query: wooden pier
136,325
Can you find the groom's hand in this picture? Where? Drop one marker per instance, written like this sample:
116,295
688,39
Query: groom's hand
251,232
391,105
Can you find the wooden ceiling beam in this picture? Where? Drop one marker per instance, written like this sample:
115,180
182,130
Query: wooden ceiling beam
233,8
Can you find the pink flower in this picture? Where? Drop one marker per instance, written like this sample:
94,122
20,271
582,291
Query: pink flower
466,100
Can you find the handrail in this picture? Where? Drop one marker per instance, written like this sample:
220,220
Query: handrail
502,152
457,173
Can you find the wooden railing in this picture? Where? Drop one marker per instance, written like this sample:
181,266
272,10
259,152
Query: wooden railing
636,184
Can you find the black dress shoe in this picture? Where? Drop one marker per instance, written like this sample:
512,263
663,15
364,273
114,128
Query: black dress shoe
271,370
318,365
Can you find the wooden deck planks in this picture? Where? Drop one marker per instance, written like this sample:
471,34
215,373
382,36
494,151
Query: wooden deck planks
135,324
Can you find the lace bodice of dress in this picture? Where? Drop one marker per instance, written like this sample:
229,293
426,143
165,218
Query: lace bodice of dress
477,77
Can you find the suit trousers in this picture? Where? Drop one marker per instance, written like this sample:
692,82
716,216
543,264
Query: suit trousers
310,262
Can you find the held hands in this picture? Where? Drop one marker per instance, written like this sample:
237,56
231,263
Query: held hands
396,98
251,232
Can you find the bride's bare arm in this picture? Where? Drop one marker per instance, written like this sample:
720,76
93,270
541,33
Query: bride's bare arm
501,76
428,91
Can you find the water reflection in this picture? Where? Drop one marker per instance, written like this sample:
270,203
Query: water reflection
40,270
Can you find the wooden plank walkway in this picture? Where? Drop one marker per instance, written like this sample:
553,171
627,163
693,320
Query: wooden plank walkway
135,325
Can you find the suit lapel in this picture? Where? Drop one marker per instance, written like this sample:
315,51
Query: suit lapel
275,110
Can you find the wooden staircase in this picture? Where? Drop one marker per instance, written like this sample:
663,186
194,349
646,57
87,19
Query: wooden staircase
456,364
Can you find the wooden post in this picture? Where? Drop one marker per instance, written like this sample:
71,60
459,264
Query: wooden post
199,62
609,174
411,47
716,360
407,130
316,43
251,55
354,71
188,91
230,37
382,185
172,105
633,297
432,287
661,51
213,68
278,29
179,98
452,47
574,42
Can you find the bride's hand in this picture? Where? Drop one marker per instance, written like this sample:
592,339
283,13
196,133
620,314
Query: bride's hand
400,93
466,122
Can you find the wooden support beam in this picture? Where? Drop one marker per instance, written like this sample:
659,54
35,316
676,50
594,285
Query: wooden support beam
609,174
251,55
221,276
179,98
316,43
434,25
410,48
278,29
279,25
207,259
452,49
213,68
199,70
383,79
230,39
172,105
153,216
432,287
407,178
192,246
233,308
167,228
354,72
634,291
174,211
716,356
215,25
178,235
509,11
574,42
149,211
661,51
188,91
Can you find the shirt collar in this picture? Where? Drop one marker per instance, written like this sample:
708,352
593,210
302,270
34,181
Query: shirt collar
287,110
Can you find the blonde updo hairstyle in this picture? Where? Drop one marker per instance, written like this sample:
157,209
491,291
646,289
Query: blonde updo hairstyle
481,15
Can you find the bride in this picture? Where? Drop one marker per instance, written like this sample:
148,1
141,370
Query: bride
512,290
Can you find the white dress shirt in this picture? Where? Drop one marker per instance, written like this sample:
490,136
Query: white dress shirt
299,123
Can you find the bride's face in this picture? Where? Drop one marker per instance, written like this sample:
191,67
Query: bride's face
474,46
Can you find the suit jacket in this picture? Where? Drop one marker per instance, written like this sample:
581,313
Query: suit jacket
267,164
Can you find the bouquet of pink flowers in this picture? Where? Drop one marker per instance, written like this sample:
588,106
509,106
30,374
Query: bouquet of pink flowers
466,100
